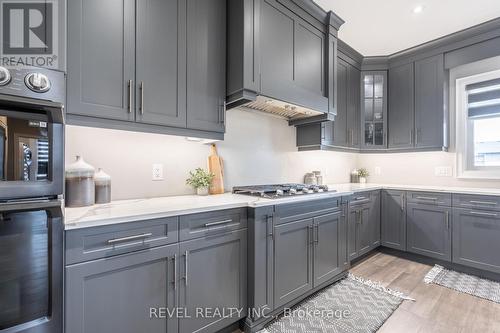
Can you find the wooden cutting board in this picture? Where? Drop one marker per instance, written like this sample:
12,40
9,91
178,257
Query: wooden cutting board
216,167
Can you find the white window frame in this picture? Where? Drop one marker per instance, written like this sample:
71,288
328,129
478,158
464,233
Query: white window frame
464,148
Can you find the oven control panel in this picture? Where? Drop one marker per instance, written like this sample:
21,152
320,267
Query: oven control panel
33,82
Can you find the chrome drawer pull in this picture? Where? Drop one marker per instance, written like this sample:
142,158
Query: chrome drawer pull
483,214
484,202
361,198
129,238
211,224
427,198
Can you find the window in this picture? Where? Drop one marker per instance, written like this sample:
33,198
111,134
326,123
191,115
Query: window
478,126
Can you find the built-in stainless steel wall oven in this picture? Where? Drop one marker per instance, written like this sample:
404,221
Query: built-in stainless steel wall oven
31,188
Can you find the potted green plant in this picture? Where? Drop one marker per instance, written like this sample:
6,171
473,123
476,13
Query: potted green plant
363,174
200,180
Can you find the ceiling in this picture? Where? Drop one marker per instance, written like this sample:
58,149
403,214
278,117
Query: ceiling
388,26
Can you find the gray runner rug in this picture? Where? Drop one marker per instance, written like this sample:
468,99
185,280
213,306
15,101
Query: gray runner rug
464,283
350,305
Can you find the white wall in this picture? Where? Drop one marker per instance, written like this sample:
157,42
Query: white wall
257,149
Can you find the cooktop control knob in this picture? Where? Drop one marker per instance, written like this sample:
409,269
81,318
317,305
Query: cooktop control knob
37,82
293,191
280,193
4,76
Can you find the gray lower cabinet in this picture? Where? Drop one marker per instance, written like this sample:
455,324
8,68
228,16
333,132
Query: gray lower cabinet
401,112
293,260
101,59
329,246
476,235
213,276
393,223
375,216
122,293
429,230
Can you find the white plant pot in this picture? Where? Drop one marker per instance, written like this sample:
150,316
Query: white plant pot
202,191
362,180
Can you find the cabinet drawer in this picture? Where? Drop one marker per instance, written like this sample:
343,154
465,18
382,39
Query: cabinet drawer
299,211
211,223
106,241
360,198
429,198
476,201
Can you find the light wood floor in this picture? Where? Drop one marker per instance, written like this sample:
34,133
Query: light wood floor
436,309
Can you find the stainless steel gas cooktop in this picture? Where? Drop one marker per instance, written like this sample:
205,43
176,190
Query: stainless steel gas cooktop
279,190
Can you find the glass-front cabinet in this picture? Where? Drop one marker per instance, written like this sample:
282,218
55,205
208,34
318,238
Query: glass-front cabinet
374,109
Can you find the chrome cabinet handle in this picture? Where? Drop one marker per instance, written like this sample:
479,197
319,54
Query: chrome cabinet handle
416,136
483,214
211,224
411,136
174,259
447,219
490,203
427,198
269,220
185,277
316,240
402,202
129,238
222,117
141,87
360,198
130,84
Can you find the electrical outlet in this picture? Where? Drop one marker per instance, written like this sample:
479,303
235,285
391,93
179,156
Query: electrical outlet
157,171
378,171
443,171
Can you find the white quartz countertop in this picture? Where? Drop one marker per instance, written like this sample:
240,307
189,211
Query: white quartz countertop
142,209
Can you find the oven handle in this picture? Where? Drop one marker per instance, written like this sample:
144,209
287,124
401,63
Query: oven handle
29,204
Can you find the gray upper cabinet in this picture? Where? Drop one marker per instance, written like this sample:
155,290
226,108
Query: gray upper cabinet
101,59
116,294
293,255
329,248
206,64
374,110
429,230
393,224
430,102
401,111
476,234
161,62
213,275
149,65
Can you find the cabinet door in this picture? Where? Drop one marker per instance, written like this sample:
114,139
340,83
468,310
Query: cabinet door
160,62
206,64
123,293
213,277
476,235
352,230
393,222
101,60
374,109
292,57
429,102
328,253
353,105
364,235
429,230
292,261
375,219
401,106
341,129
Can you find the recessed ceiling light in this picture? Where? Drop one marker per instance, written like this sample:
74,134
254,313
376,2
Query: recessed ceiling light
418,9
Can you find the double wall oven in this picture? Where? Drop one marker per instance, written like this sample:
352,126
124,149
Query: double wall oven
31,188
